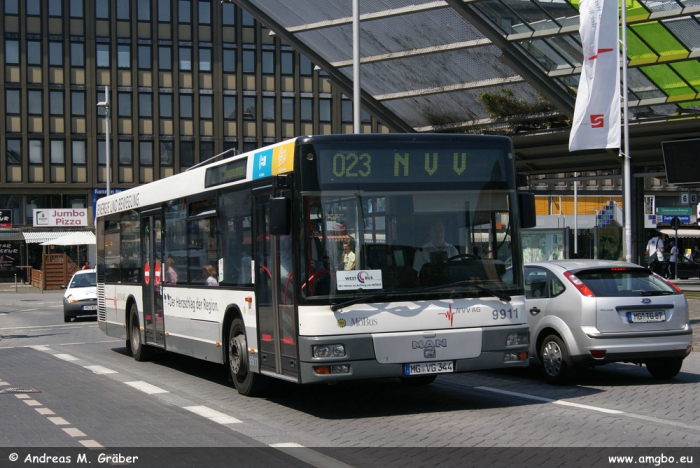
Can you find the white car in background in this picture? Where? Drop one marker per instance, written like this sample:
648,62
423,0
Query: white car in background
80,298
593,312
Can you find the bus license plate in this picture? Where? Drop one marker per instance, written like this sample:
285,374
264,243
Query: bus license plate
94,307
645,317
429,368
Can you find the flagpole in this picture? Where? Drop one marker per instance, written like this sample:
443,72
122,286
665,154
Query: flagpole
627,178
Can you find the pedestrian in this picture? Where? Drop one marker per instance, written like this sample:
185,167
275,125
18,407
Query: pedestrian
655,254
86,266
673,259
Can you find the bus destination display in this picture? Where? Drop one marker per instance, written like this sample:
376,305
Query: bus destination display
415,165
225,173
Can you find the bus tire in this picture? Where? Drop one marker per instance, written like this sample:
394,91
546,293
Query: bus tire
247,383
139,350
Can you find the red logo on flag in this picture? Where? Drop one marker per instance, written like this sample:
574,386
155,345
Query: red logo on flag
147,273
597,120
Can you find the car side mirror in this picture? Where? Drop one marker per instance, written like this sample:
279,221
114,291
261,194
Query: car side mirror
63,286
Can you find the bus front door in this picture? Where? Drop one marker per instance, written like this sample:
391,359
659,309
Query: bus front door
274,296
152,280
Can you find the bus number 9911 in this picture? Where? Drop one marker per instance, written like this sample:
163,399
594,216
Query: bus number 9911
352,165
504,314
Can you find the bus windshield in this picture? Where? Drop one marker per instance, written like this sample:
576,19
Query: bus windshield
404,242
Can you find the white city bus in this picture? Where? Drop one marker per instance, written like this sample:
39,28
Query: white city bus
242,261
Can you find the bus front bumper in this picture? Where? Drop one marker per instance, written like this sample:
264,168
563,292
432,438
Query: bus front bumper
360,361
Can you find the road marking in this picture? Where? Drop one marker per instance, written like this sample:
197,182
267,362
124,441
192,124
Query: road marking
22,396
212,414
40,348
66,357
309,456
44,411
146,387
549,400
32,402
89,443
100,370
59,421
73,432
3,383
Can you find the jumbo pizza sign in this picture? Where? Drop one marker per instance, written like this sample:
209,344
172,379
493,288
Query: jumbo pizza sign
61,217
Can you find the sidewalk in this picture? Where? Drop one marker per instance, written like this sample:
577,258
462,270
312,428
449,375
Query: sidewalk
21,288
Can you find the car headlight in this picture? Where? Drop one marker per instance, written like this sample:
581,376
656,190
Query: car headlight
515,339
70,299
331,350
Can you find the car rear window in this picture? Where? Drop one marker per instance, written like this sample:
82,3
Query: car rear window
84,280
619,282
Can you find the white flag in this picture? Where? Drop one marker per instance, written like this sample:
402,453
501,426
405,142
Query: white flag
597,113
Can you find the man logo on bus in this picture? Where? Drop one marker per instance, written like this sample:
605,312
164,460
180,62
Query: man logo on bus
597,120
262,161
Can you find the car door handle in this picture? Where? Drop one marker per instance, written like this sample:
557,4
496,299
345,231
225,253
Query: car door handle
535,311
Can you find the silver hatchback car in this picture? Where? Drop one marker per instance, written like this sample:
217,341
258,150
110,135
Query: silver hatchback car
592,312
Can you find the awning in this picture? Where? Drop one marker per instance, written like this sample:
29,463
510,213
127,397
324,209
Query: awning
76,238
682,233
37,237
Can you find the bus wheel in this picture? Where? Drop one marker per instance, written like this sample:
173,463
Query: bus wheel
246,382
415,382
140,351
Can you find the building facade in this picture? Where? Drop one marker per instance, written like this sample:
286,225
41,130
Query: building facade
187,79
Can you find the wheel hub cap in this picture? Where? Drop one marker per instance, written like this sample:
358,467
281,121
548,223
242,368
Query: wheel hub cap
552,359
238,355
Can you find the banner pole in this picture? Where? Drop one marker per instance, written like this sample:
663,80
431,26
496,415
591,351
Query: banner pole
627,169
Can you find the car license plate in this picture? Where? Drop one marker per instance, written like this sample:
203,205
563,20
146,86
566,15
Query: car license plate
92,307
645,317
429,368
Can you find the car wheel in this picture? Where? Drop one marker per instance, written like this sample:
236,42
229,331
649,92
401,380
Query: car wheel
666,368
246,381
139,351
415,382
557,367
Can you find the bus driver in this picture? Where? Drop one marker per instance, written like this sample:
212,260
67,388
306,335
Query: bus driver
437,244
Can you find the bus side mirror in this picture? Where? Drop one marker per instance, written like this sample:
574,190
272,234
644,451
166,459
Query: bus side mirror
528,215
280,221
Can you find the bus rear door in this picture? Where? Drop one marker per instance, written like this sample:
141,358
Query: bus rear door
152,279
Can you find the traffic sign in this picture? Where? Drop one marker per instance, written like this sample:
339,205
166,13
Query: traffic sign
675,223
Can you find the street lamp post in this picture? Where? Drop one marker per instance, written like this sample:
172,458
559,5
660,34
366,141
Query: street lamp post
105,104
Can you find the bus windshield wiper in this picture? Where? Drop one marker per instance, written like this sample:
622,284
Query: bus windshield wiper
501,296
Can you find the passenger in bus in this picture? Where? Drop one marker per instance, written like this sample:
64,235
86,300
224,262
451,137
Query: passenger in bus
348,255
437,244
210,275
170,272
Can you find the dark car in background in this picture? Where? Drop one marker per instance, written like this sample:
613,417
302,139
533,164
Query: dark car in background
687,268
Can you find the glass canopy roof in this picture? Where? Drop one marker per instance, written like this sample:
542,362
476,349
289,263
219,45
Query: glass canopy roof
432,65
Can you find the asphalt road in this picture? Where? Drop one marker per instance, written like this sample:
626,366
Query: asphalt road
92,399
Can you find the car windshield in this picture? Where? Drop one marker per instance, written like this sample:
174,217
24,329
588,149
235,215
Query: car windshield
84,280
620,282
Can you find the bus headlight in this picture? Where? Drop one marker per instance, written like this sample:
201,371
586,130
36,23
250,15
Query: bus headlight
515,339
331,350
